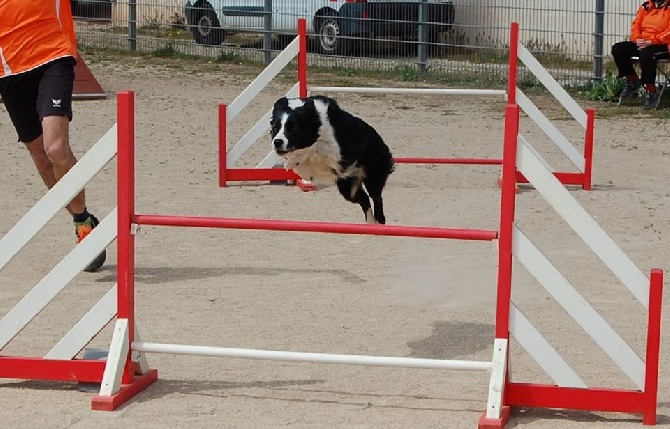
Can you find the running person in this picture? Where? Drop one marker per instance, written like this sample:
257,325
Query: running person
38,51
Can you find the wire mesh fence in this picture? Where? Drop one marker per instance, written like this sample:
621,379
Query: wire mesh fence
459,39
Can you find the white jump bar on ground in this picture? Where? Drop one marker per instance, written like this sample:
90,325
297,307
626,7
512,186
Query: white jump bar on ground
419,91
311,357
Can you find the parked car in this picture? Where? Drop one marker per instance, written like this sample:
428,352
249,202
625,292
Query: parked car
335,23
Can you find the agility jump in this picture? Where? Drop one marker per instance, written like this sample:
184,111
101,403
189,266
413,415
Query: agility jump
264,171
126,371
570,391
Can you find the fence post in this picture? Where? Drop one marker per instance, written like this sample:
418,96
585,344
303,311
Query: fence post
267,32
598,36
132,24
423,27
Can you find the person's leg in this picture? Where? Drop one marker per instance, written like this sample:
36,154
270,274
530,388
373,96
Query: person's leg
19,94
56,147
622,53
54,108
648,62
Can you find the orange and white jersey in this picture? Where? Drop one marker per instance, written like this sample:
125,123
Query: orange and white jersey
34,32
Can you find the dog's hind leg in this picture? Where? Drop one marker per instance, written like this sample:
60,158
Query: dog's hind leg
375,192
351,190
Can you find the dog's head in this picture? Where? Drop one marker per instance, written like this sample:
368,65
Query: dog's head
294,125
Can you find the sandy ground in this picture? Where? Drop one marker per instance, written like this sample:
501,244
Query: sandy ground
330,293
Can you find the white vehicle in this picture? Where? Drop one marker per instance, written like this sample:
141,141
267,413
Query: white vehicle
335,22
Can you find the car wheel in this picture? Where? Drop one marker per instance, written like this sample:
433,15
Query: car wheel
329,33
206,29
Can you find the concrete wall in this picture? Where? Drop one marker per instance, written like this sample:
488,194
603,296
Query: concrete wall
565,26
149,12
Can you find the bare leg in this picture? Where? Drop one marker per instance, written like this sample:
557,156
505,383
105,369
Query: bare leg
53,156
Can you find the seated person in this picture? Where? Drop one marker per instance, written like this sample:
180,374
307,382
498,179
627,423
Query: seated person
649,39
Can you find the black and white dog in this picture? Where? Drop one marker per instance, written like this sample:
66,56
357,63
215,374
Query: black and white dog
324,144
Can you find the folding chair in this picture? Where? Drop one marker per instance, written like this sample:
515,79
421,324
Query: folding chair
662,76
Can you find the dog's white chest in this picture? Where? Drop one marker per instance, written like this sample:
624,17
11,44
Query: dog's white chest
319,163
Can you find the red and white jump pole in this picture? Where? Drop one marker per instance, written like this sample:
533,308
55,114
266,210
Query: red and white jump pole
229,174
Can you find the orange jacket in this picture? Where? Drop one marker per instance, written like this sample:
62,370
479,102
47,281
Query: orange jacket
651,24
34,32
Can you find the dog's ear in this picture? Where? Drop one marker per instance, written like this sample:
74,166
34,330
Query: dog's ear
280,104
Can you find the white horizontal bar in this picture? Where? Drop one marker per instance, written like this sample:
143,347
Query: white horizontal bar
417,91
578,308
550,130
262,80
541,351
55,281
256,132
583,224
550,83
86,329
404,362
58,196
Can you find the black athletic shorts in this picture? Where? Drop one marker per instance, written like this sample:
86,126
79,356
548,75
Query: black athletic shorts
43,91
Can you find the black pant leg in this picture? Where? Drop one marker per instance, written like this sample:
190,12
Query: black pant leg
622,53
648,59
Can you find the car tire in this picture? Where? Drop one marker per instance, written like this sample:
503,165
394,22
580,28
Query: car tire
329,36
206,28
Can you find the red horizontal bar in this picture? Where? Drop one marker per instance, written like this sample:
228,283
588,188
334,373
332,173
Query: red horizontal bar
257,174
34,368
572,398
478,161
301,226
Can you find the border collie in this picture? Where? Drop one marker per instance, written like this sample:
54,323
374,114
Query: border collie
324,144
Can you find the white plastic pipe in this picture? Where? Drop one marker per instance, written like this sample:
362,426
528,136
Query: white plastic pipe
418,91
403,362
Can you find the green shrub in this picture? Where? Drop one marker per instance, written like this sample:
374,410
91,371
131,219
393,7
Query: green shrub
607,89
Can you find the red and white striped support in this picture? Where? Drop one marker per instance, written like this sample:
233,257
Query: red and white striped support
569,391
59,362
265,170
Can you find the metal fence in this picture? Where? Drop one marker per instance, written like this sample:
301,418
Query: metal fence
460,39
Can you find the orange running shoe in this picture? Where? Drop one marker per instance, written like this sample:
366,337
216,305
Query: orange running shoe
82,229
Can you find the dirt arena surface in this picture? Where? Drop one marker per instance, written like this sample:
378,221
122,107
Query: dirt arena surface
330,293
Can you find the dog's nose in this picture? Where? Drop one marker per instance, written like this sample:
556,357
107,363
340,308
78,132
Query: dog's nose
278,143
